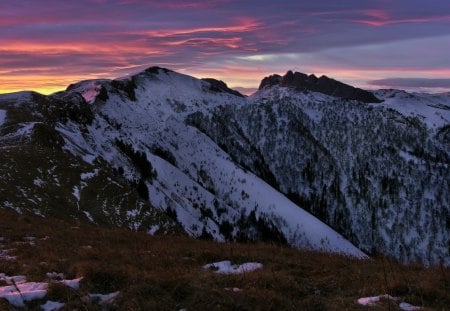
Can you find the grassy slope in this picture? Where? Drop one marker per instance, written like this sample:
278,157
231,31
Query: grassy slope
165,272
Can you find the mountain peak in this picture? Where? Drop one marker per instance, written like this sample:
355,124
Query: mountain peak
156,69
324,84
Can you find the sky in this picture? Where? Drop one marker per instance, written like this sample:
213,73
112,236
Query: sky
47,44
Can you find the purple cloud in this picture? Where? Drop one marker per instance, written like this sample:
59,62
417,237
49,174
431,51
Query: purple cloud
411,83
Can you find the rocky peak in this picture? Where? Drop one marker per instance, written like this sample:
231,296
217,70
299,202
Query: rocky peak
303,82
270,81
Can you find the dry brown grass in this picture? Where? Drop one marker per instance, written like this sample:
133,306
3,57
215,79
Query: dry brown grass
165,272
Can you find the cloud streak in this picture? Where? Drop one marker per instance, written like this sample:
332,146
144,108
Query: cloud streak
412,83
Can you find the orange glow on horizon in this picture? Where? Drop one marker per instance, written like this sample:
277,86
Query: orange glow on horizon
236,76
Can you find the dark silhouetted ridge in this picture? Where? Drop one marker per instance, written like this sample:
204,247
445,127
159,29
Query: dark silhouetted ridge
324,84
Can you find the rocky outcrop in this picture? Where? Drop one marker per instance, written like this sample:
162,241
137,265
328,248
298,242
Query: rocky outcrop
324,84
220,86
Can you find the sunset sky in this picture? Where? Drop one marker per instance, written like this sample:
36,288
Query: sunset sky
47,44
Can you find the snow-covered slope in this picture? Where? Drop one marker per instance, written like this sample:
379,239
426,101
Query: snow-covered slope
282,165
192,177
434,110
377,176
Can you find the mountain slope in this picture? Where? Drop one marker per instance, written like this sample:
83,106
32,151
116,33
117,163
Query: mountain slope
137,126
38,176
377,176
286,164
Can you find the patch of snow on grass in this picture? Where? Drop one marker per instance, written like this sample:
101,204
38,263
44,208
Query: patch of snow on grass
74,284
408,307
18,294
153,229
225,267
4,255
52,305
102,299
55,276
372,301
10,280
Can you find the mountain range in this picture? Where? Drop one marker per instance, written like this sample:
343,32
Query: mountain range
305,161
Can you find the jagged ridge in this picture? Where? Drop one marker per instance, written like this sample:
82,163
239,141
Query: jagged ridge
324,84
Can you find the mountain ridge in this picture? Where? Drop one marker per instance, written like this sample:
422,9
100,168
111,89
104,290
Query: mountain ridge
223,166
302,82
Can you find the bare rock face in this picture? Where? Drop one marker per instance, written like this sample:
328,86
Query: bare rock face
270,81
324,84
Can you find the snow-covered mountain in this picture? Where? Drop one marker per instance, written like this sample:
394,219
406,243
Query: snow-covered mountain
285,164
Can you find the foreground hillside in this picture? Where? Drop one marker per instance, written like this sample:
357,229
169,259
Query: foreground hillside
165,272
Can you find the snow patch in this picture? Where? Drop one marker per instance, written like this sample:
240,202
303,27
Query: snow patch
102,299
90,92
38,182
372,301
89,175
23,132
10,280
74,284
52,305
20,293
76,193
433,110
408,307
2,116
225,267
153,229
55,276
89,216
4,255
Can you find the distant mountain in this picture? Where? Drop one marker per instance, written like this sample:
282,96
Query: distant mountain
291,163
302,82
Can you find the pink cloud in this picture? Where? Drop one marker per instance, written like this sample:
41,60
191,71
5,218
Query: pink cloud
379,18
243,25
175,5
